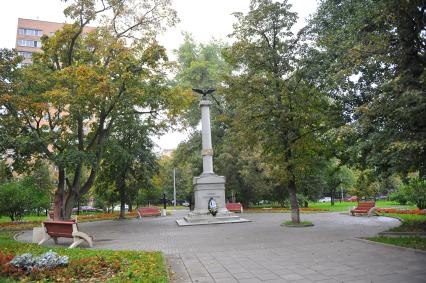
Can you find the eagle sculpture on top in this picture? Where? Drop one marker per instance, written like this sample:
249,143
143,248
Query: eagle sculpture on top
204,92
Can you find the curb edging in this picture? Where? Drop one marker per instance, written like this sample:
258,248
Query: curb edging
15,237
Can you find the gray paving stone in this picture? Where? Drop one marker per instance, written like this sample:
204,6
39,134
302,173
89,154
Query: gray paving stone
261,272
236,270
251,280
226,280
332,272
358,281
325,252
280,280
293,276
218,269
244,275
301,281
316,277
305,271
179,272
283,271
267,276
221,275
203,280
329,280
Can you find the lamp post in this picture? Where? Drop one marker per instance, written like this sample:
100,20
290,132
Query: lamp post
174,188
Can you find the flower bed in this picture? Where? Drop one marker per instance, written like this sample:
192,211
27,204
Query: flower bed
400,211
104,216
84,265
83,218
19,225
285,209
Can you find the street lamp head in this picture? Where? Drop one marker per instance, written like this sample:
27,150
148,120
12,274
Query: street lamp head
204,91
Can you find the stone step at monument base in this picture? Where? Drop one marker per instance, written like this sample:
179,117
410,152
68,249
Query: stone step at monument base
205,219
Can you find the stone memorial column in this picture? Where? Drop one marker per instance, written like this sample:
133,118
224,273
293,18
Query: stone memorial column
207,149
209,188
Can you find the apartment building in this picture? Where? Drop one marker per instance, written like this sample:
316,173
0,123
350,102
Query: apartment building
29,33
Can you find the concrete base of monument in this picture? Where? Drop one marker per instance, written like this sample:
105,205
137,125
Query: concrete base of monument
209,187
205,218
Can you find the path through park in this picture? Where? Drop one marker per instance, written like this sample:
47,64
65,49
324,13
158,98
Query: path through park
263,251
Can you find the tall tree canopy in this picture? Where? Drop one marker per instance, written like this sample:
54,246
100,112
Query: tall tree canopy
273,101
65,105
129,162
371,59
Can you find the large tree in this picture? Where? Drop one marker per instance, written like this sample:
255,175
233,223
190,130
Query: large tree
129,162
338,177
371,60
273,101
65,105
203,66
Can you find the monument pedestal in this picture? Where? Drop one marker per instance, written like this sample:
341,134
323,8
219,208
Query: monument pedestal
209,186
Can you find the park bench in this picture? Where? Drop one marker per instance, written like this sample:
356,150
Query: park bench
64,229
367,207
149,211
234,207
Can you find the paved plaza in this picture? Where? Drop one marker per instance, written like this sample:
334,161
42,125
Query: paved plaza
264,251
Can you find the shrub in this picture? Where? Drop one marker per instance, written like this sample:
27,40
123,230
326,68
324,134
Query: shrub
415,192
15,199
399,197
19,196
302,201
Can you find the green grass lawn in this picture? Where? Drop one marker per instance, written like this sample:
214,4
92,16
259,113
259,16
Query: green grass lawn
408,242
178,207
301,224
263,210
35,221
345,206
26,218
337,207
42,217
410,223
102,265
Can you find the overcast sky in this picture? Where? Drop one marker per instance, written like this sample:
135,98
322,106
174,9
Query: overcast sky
204,19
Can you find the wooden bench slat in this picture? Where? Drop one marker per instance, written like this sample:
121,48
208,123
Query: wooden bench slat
363,207
234,207
149,211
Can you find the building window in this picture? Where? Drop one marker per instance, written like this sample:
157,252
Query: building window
27,31
25,54
23,64
29,43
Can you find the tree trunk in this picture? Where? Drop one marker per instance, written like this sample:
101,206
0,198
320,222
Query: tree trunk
295,217
306,204
58,198
422,169
332,196
69,203
130,205
64,202
122,191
